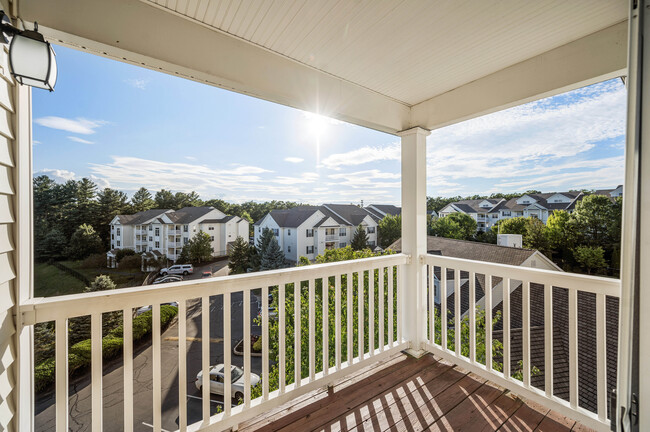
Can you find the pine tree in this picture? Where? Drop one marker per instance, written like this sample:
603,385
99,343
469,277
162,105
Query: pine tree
360,239
239,256
273,257
84,242
141,200
264,242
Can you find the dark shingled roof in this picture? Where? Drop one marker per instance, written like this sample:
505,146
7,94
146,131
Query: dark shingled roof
343,214
351,213
293,217
385,208
141,217
222,220
472,250
189,214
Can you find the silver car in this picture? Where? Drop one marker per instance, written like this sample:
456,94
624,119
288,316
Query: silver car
217,382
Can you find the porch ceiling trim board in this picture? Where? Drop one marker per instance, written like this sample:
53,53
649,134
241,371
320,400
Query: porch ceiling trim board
149,35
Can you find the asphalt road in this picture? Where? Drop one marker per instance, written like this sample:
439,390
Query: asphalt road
80,389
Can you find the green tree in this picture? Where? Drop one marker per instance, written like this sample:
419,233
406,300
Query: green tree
593,218
84,242
165,199
101,283
52,246
590,258
456,226
390,229
360,238
239,256
536,236
198,249
142,201
272,257
110,203
515,225
560,237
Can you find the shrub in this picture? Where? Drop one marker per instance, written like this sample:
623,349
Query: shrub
257,345
94,261
122,253
132,262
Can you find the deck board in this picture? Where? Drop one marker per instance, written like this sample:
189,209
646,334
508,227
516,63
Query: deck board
407,394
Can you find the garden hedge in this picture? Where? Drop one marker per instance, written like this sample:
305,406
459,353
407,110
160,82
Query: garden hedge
79,354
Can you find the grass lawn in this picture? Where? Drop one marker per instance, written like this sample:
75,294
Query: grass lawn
50,281
122,278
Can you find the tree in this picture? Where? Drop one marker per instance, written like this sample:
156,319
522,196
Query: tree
165,199
52,246
458,226
101,283
593,218
360,238
268,254
141,200
110,203
239,258
390,229
515,225
590,258
198,249
536,236
84,242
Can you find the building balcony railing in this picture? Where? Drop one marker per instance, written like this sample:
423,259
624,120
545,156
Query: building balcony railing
530,309
174,232
331,237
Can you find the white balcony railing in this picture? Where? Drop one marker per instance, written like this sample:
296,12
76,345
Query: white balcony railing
346,286
331,237
563,303
174,232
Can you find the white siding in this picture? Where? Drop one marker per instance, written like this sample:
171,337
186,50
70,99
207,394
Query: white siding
7,255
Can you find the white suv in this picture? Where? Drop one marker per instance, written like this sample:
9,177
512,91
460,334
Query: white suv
183,269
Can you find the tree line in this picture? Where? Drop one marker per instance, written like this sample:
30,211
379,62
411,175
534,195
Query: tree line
66,212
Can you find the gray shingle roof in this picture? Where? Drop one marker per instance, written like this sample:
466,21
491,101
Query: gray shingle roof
349,212
222,220
293,217
386,208
141,217
189,214
472,250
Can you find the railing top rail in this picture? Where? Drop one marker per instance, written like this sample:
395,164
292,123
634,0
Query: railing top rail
47,309
586,283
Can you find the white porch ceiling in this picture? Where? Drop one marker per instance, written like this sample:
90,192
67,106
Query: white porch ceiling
388,65
408,50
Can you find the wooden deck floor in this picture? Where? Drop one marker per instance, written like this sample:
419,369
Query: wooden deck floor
404,394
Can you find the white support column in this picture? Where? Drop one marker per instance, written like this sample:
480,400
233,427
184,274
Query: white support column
414,237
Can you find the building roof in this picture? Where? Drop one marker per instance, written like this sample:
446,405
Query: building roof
471,250
541,199
384,209
343,214
350,213
183,216
293,217
222,220
189,214
141,217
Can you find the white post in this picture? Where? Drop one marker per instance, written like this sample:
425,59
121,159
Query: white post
414,237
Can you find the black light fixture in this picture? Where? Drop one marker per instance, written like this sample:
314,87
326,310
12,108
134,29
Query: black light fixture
31,57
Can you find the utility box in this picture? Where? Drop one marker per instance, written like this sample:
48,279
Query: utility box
510,240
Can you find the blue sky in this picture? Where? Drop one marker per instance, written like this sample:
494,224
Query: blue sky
127,127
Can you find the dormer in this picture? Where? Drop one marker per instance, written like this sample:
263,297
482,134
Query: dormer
617,192
558,198
486,204
526,199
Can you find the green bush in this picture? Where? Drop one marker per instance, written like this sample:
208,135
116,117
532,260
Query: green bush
94,261
133,262
80,354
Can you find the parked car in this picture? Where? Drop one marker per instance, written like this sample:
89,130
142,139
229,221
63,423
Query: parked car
183,269
168,278
273,313
217,382
144,309
206,274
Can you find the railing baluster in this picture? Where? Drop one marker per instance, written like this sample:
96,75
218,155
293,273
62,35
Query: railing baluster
265,342
350,313
506,285
282,329
360,308
443,308
432,305
227,352
573,348
296,328
61,372
457,329
391,299
182,365
548,340
312,329
472,317
382,322
525,285
127,351
488,323
601,357
247,348
337,320
205,358
156,360
400,293
372,287
326,325
96,370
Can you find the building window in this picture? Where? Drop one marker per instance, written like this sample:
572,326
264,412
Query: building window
150,238
259,229
150,228
157,245
157,232
310,250
185,240
330,231
211,228
112,236
342,232
371,230
186,228
309,232
276,231
118,243
371,243
342,245
212,238
112,228
118,232
288,248
288,232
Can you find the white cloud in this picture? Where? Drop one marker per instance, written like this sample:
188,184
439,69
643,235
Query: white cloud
138,83
369,179
78,125
362,155
293,159
192,158
58,175
80,140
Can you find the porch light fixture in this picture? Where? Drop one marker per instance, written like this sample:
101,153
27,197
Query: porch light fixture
31,57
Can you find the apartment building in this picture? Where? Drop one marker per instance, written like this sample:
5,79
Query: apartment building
167,231
310,230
